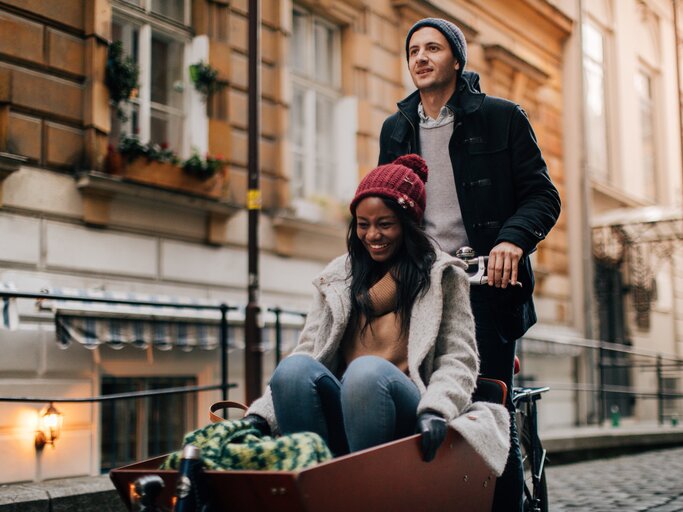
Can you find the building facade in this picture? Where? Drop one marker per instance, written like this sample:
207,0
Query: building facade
72,218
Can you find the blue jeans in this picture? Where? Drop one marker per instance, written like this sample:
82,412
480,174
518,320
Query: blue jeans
497,355
374,402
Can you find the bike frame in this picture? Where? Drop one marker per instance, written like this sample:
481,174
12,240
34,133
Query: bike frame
524,400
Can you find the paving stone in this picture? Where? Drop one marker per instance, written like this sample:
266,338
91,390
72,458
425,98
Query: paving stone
648,481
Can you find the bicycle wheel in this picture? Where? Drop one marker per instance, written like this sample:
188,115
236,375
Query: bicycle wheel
535,499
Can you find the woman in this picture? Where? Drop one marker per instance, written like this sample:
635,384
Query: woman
388,347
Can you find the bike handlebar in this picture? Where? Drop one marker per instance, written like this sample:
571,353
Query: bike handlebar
469,257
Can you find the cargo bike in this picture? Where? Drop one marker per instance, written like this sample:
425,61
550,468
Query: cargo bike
389,477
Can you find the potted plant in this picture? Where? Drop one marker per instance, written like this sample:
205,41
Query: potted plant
156,164
121,77
202,169
205,79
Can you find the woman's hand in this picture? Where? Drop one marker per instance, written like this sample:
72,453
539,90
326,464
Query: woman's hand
433,429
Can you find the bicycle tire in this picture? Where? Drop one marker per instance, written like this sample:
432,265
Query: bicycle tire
542,491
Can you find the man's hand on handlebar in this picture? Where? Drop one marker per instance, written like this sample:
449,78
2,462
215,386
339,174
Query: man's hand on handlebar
503,264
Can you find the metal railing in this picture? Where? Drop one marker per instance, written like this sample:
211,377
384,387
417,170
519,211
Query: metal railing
618,377
223,308
604,389
612,373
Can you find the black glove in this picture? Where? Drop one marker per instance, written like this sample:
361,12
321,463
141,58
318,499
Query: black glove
259,423
433,429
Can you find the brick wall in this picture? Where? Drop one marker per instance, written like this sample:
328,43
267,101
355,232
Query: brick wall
52,57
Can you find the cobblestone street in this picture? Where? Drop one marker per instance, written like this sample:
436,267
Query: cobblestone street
651,481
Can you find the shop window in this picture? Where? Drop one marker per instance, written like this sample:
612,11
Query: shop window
137,429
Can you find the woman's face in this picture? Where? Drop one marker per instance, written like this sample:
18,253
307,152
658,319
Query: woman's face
378,228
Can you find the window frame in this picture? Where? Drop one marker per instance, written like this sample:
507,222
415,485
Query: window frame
149,23
605,174
312,89
649,177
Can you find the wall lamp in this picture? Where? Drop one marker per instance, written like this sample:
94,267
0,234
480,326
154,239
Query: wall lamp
49,427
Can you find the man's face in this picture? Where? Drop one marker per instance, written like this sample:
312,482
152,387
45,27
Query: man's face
431,62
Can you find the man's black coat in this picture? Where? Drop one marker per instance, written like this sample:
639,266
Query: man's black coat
501,179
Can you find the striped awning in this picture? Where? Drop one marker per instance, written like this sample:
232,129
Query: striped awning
157,324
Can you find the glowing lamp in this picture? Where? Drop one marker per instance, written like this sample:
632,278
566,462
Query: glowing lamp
49,427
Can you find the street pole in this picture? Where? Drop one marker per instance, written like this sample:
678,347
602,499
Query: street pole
252,330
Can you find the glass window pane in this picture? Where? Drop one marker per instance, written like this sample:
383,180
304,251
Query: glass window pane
131,126
299,46
298,176
167,71
324,53
174,9
165,431
166,128
644,89
595,103
297,119
119,417
129,35
592,42
596,121
324,144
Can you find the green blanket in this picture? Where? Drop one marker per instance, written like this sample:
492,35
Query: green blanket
235,444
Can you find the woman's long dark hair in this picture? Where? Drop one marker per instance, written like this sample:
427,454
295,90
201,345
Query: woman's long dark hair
410,267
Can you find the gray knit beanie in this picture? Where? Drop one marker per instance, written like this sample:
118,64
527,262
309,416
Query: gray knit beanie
451,32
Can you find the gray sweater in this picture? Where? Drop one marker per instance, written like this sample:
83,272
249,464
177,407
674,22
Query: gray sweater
442,353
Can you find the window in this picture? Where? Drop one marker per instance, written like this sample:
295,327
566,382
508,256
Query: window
595,104
315,50
137,429
156,39
647,136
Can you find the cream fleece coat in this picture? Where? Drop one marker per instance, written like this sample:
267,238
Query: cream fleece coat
442,353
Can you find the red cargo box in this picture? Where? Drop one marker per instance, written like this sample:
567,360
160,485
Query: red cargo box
390,477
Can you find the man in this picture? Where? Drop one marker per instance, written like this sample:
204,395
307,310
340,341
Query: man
488,189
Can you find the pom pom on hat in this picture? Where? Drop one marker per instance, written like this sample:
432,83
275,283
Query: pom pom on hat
416,163
403,180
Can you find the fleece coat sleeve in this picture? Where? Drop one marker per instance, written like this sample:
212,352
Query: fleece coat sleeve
455,364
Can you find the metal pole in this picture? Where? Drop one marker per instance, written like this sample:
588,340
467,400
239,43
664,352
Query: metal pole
252,351
224,351
278,335
660,392
602,400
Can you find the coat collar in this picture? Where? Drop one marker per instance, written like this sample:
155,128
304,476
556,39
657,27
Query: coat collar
466,100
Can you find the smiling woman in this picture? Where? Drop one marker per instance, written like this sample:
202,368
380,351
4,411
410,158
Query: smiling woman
388,348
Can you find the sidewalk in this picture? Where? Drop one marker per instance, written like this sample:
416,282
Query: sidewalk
586,443
563,445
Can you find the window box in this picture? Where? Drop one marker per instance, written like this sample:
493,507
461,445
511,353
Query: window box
168,175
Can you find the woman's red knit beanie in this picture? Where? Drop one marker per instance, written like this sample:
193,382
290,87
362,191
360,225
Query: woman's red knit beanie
403,180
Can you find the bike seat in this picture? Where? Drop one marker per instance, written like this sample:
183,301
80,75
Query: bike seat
490,390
